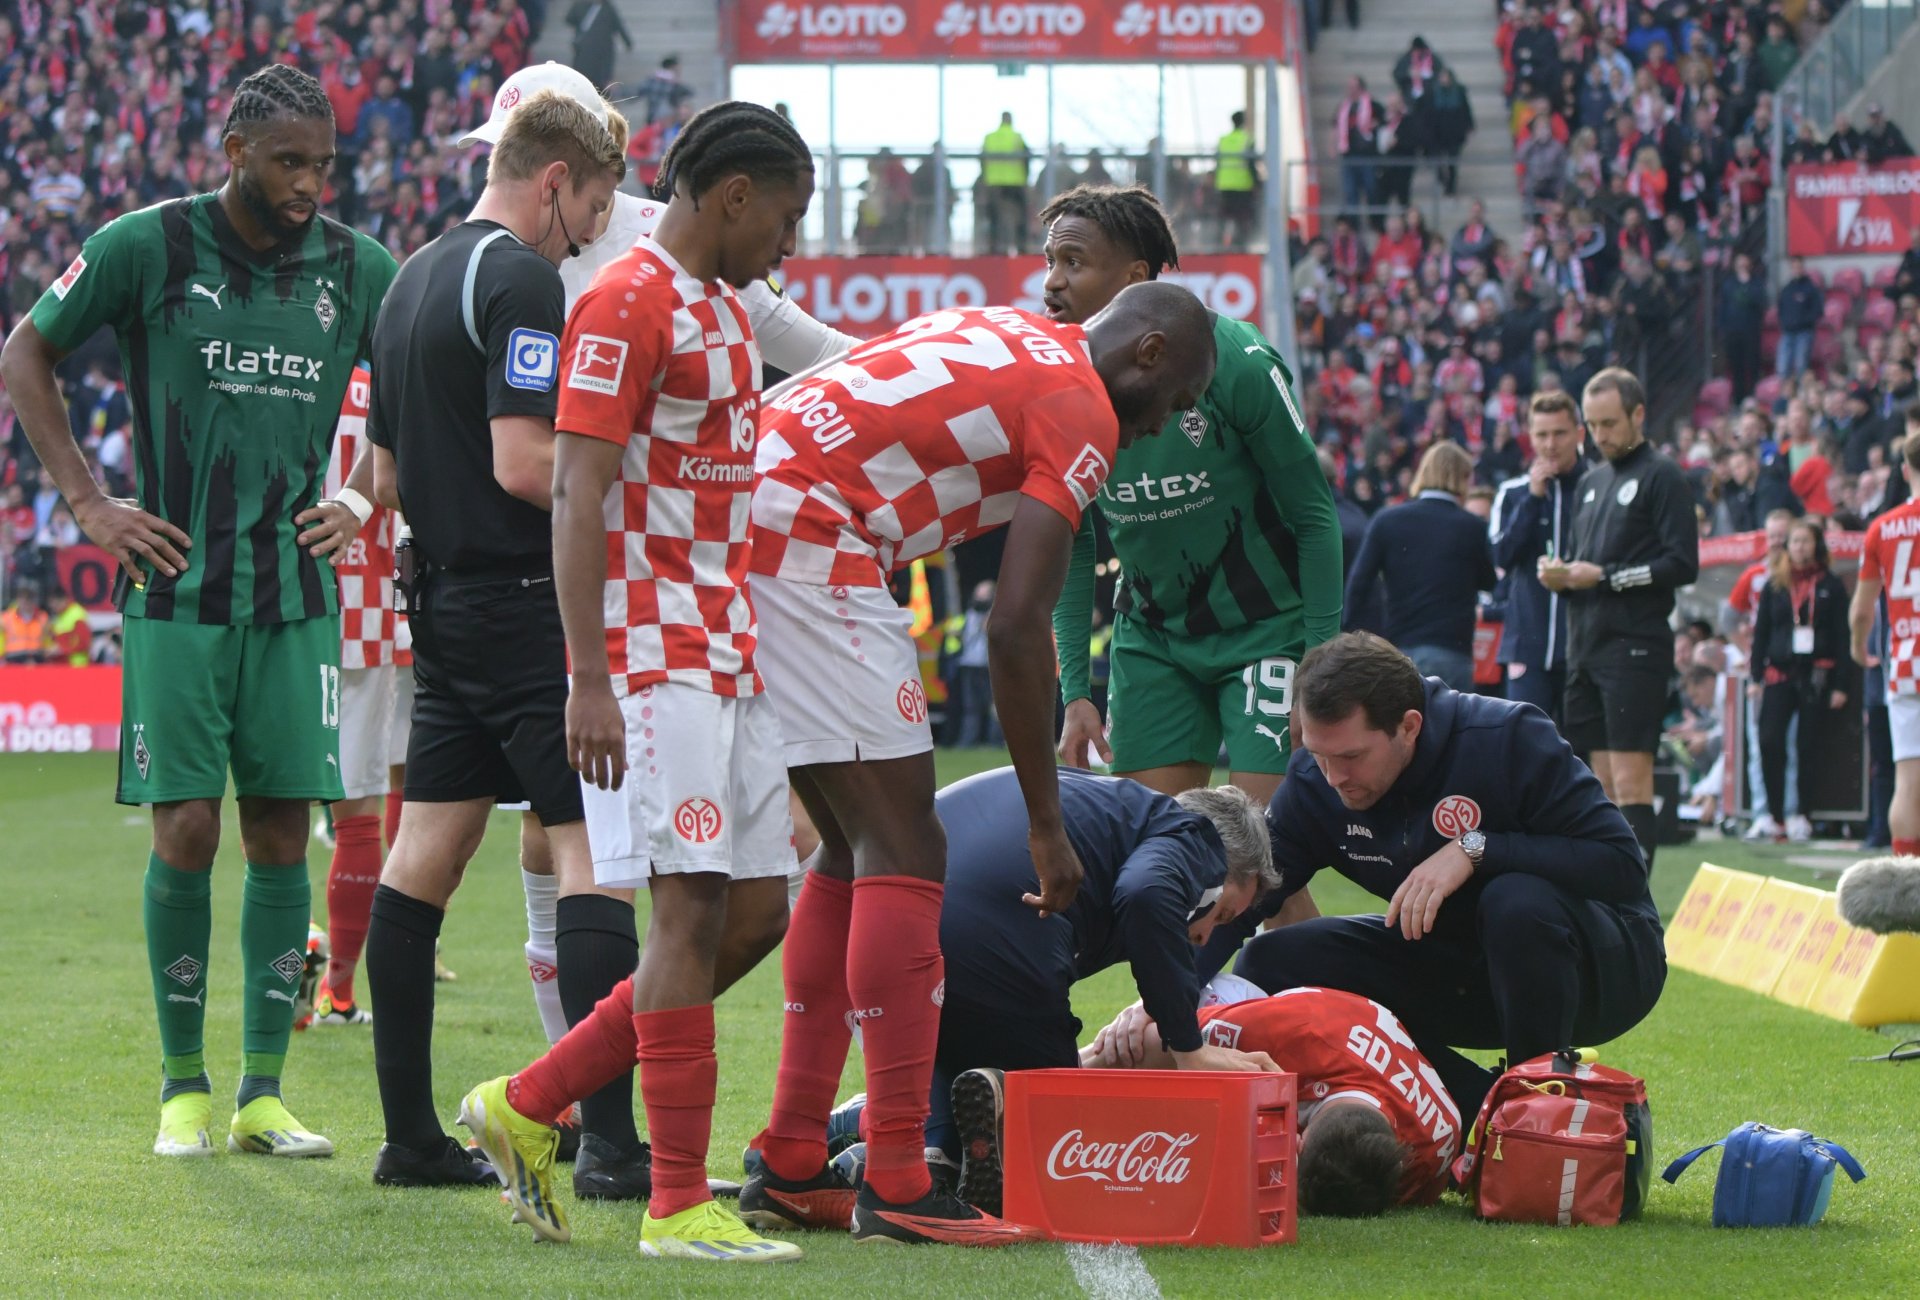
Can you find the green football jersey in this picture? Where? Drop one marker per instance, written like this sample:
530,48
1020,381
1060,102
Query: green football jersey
236,364
1221,521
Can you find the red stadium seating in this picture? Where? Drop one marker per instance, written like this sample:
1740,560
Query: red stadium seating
1768,389
1837,309
1850,281
1881,312
1717,394
1884,277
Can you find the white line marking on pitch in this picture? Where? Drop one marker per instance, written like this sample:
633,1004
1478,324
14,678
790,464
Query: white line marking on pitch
1111,1272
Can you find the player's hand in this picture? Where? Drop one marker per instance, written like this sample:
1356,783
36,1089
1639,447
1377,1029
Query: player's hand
1060,872
1125,1043
334,526
130,535
1539,474
596,735
1081,731
1213,1057
1415,906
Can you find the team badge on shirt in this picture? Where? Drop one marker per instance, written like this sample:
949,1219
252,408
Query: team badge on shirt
1455,815
533,360
1194,425
1628,491
324,309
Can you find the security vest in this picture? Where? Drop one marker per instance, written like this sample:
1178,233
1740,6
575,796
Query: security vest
72,636
23,635
1232,171
1009,170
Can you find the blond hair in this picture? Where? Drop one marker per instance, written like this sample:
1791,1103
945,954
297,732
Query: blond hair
550,127
1445,468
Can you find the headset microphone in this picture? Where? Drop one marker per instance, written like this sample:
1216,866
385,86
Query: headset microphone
573,249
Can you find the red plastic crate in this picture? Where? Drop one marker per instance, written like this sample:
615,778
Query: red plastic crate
1152,1157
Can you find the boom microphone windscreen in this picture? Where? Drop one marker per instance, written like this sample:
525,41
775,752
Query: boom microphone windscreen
1881,895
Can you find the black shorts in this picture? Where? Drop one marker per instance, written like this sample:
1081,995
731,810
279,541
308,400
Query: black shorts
1236,205
1617,701
974,1036
490,697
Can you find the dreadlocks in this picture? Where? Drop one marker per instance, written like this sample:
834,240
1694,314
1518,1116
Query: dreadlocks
1130,217
277,90
730,138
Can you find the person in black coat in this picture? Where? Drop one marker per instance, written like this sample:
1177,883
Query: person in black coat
1801,664
1533,517
1743,308
1436,560
1450,122
1801,304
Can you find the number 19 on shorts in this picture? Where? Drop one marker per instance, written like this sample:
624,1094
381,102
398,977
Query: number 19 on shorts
1269,686
329,696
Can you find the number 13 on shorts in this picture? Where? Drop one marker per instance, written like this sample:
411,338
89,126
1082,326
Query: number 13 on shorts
1269,686
330,696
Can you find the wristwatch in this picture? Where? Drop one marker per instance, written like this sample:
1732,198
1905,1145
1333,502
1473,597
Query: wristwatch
1474,845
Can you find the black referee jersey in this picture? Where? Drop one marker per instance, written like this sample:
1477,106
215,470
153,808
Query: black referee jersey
1634,518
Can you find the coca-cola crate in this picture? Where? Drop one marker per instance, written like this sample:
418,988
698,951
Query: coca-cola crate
1152,1157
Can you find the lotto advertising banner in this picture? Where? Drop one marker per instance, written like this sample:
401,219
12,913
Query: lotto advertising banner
1850,209
869,296
930,31
59,710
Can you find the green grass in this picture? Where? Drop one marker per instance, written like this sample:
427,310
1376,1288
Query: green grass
92,1212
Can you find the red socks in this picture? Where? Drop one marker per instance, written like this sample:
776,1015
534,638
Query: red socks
394,799
593,1054
678,1077
896,978
815,1033
1906,848
351,880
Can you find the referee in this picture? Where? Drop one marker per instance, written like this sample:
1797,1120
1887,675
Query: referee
1635,543
462,434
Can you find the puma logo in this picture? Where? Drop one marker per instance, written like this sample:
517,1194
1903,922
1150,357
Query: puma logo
1279,741
211,295
280,996
199,999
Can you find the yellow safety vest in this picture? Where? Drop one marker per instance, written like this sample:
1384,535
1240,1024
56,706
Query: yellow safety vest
1009,169
64,623
23,635
1232,170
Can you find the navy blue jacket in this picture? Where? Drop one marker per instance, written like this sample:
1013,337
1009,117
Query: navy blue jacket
1436,560
1149,862
1479,763
1523,526
1801,304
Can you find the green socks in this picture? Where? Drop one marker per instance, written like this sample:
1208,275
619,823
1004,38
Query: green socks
274,910
179,918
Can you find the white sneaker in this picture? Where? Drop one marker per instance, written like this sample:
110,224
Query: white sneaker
1799,829
1763,828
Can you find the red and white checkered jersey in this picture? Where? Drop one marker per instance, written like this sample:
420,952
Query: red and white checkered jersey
665,365
924,437
365,572
1344,1045
1888,557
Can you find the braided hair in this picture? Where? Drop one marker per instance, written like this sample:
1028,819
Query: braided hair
277,90
727,139
1131,217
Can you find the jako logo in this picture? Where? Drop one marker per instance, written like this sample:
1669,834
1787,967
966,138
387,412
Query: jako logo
1137,20
779,21
1152,1157
957,20
697,820
542,972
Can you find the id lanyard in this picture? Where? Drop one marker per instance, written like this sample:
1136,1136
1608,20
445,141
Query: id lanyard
1803,632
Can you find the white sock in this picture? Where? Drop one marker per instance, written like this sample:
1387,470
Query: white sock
543,895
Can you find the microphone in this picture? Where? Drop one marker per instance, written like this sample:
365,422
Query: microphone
1881,895
573,249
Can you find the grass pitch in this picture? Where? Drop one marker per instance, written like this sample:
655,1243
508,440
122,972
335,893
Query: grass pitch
92,1212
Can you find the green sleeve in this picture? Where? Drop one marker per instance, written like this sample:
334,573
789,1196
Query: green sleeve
1073,616
1262,411
382,269
101,287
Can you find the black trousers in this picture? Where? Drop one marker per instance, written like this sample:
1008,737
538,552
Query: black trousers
1538,969
1880,785
1778,705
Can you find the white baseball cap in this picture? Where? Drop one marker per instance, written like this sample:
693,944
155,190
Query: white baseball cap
526,83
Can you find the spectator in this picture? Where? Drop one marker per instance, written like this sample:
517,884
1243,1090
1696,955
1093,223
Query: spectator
1004,164
1533,518
1743,308
1356,127
1806,146
1800,664
1435,559
1778,53
1543,165
1883,140
597,26
387,116
70,636
1417,70
1845,144
26,629
973,722
1906,276
1801,303
1235,174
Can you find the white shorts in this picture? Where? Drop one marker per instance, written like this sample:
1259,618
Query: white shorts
1903,720
843,671
402,716
366,723
706,790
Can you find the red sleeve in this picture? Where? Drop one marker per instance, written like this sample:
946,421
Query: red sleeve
1870,554
1068,437
611,363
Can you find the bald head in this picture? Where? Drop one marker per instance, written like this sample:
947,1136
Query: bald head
1153,347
